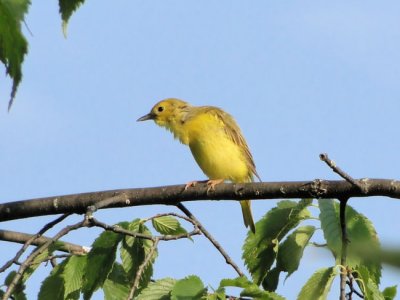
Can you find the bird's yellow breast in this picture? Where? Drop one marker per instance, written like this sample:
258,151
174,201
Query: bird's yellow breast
215,152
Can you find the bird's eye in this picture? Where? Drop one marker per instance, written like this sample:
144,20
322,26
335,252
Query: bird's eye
160,108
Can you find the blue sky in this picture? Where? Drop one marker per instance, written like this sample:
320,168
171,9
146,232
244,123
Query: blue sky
300,77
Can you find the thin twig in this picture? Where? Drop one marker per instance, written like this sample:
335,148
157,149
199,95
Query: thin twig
31,240
37,252
324,157
352,289
210,238
343,257
94,222
140,271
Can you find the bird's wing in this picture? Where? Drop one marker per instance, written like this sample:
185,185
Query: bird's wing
233,131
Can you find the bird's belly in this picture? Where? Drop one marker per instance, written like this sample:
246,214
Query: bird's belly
221,159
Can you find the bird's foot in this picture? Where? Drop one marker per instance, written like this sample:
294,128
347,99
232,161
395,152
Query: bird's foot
193,183
212,183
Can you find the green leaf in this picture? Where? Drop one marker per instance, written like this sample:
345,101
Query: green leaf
360,232
100,261
134,251
241,281
116,286
168,225
158,290
271,281
331,226
255,292
73,276
318,286
369,287
219,294
390,292
260,249
67,7
190,287
291,250
53,286
13,45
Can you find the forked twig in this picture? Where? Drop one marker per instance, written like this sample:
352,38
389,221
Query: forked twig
324,157
31,240
37,252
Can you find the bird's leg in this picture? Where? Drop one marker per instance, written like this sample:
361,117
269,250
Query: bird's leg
212,183
194,183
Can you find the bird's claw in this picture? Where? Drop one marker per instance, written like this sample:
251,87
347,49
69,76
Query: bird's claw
190,184
212,183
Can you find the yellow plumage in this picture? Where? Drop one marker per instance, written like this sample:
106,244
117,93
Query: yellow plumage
214,139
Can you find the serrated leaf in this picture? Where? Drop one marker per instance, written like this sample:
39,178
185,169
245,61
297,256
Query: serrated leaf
291,250
67,7
168,225
260,249
369,287
158,290
390,292
360,232
116,286
53,286
13,45
73,276
318,286
100,261
190,287
134,251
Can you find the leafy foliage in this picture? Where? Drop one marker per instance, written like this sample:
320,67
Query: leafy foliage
13,45
116,285
360,232
100,261
158,290
260,249
277,246
134,251
318,286
190,287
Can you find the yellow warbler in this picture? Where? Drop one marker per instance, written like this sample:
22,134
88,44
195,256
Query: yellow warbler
215,141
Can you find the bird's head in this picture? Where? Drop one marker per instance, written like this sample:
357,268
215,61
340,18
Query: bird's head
167,112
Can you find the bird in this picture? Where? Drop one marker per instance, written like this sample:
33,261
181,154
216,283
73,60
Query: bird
215,140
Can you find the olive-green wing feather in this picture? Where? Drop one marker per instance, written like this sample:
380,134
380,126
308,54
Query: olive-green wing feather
233,131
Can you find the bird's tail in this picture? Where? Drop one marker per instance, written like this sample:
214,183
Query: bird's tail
247,216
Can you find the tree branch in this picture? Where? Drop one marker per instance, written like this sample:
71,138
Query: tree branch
22,238
172,195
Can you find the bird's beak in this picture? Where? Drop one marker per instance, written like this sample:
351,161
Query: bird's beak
149,116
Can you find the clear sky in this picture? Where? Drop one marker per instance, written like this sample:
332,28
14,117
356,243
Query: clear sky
300,77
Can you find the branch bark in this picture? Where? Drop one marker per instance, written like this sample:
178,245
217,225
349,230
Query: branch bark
172,195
